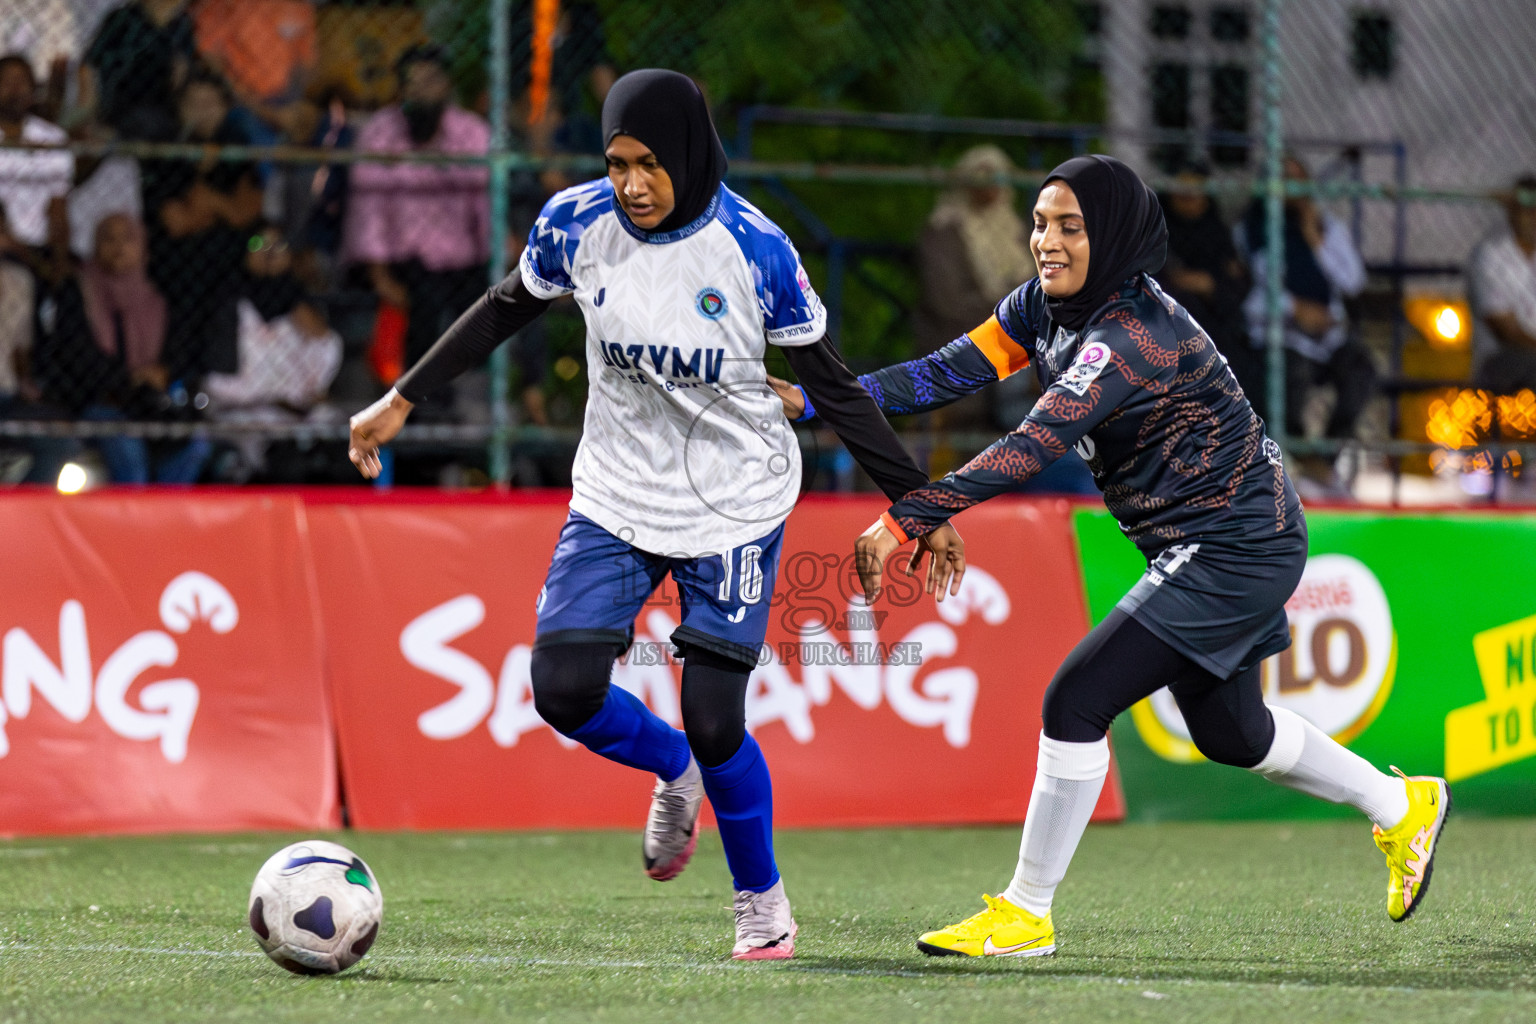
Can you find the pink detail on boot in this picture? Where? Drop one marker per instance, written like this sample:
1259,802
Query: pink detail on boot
674,867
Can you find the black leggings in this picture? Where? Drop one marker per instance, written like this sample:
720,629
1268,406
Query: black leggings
570,683
1121,661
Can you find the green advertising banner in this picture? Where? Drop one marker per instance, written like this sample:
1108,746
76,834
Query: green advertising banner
1413,643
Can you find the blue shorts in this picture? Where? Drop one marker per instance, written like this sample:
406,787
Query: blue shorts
597,584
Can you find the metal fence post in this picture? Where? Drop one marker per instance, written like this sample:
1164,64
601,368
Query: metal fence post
1274,227
499,453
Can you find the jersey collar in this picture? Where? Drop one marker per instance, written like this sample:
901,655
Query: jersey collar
676,235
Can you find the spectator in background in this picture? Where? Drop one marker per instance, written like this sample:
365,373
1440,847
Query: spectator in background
136,66
420,229
33,459
288,354
33,185
1322,267
264,48
1206,276
18,310
200,216
105,355
42,31
974,249
308,201
1501,281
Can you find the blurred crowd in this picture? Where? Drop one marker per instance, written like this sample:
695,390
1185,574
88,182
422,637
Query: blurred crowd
975,247
250,291
234,290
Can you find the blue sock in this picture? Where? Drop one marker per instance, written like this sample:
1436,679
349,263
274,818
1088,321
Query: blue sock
741,793
626,731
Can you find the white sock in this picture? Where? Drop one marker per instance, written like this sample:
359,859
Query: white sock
1067,784
1305,758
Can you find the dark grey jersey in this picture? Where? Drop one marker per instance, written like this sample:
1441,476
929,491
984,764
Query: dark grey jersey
1144,397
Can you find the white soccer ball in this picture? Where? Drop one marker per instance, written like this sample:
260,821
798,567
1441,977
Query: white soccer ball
316,907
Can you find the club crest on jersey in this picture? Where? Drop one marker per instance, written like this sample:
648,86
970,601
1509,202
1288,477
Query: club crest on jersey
1085,369
710,304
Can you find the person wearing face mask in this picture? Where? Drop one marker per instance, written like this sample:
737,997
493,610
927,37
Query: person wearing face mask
1141,393
686,465
420,229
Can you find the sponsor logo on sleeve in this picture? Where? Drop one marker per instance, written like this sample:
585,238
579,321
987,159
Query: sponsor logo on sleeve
1085,369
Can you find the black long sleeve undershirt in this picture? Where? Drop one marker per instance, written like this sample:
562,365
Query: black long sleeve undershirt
497,315
839,398
845,406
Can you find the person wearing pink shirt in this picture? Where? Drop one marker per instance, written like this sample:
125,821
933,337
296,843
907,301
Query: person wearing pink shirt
422,229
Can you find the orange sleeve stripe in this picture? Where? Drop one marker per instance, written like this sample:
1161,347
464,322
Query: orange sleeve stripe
896,531
1006,355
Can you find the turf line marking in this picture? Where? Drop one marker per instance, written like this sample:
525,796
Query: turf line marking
503,961
791,967
28,947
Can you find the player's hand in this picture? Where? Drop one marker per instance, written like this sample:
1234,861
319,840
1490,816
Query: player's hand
870,551
375,426
948,566
791,397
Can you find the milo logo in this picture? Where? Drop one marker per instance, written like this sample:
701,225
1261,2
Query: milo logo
1337,673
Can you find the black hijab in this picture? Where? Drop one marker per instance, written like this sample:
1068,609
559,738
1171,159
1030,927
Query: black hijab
1126,232
666,111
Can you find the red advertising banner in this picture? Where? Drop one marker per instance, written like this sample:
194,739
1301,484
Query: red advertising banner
162,666
907,712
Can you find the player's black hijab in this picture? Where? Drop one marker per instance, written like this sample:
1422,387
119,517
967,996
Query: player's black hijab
666,111
1126,232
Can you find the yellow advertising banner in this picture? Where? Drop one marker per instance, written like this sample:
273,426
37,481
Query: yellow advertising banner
1501,729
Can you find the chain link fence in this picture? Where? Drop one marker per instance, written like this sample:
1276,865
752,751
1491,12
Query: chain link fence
231,223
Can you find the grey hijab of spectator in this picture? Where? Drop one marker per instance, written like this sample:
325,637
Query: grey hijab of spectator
666,112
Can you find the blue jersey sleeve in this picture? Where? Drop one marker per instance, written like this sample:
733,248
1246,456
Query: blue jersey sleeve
1021,313
551,251
792,311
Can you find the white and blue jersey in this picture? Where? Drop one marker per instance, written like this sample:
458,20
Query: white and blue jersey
685,450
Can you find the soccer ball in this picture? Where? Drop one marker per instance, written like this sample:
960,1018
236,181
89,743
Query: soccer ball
316,907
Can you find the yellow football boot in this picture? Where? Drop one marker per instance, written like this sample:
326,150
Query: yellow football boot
1410,844
1001,930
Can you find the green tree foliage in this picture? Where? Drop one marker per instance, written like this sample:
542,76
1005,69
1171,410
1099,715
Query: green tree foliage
1017,59
959,58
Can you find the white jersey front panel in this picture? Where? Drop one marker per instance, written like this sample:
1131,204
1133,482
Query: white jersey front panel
685,449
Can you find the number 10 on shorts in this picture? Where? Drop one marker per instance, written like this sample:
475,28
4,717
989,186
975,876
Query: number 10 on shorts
742,569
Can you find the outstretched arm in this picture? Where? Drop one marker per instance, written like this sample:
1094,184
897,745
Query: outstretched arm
980,357
850,411
1056,423
496,316
843,401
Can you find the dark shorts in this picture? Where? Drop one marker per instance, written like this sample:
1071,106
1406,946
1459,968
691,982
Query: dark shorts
598,583
1221,602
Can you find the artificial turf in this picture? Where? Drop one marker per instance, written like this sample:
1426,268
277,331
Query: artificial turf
1221,922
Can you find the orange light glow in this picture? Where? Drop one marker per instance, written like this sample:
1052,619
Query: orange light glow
1444,322
1460,419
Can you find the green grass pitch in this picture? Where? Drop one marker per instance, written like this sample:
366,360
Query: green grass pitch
1220,922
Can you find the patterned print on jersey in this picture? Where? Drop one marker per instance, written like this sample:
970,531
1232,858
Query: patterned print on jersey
1144,396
